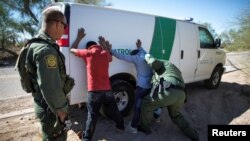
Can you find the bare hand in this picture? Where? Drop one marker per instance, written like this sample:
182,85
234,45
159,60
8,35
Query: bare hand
81,33
138,43
108,45
62,116
104,43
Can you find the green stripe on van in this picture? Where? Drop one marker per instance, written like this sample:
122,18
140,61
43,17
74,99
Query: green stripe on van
163,38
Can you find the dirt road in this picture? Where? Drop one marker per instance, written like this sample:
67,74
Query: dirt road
229,104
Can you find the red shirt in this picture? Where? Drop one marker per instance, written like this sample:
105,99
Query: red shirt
97,64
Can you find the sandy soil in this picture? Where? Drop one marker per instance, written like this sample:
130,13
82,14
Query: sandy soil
229,104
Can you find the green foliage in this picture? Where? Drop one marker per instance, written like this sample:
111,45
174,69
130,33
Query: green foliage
27,9
210,28
8,31
238,39
21,17
18,17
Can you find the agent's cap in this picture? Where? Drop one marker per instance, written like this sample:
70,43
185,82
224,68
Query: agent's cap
157,65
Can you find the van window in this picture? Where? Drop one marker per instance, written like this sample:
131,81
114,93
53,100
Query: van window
206,39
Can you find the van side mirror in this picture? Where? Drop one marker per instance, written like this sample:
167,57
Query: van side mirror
217,42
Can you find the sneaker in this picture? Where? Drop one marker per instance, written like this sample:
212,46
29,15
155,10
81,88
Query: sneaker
132,129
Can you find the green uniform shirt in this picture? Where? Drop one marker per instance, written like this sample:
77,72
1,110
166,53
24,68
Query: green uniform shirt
49,76
171,74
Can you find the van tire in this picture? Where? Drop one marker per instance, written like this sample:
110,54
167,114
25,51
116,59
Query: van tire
124,96
214,81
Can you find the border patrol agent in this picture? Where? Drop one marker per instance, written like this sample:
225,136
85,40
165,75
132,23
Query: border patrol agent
50,101
167,91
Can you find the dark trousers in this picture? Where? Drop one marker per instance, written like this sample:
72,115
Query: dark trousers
140,93
95,101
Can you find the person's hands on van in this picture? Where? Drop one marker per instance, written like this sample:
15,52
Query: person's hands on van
101,41
108,45
138,43
105,43
81,33
62,116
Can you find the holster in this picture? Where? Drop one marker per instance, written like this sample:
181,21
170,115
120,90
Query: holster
69,84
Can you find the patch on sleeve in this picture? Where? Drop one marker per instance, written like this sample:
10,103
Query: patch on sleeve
51,61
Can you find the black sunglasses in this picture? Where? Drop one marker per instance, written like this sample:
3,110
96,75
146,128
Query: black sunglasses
64,24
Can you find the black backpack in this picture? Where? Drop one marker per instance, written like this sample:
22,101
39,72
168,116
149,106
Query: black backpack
21,65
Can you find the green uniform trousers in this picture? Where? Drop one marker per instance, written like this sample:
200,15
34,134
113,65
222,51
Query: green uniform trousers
51,128
173,99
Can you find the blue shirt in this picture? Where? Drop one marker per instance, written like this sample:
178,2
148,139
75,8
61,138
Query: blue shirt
144,71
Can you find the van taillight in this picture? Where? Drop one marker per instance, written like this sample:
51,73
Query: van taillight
64,41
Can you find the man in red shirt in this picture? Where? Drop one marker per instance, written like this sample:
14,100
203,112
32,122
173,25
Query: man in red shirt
97,61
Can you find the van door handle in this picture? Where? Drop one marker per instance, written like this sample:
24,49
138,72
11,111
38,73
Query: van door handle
182,53
199,53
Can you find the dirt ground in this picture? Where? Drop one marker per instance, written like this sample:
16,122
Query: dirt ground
229,104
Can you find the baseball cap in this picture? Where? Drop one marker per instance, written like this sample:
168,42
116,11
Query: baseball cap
154,63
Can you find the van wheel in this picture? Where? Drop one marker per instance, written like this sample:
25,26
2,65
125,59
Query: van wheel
124,96
214,81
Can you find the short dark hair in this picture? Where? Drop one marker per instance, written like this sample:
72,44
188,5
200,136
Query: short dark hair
90,43
134,52
51,14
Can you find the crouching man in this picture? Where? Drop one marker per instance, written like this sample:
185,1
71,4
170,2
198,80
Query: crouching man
168,91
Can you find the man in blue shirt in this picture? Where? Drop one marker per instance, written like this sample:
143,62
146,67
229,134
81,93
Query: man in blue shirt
144,76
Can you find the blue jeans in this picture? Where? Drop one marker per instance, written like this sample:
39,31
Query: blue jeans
95,101
140,93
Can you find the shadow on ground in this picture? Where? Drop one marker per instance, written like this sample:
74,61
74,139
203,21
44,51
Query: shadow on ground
203,107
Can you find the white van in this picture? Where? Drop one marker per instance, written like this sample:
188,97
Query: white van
188,45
